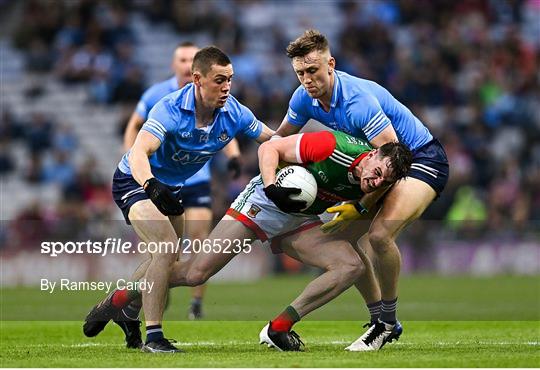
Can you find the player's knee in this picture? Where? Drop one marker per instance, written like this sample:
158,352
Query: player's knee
349,270
352,271
380,241
195,277
165,260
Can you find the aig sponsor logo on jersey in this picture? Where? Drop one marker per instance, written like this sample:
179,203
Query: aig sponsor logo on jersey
184,157
186,135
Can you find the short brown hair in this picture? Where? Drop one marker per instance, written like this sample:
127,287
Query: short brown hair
400,158
207,57
305,44
185,44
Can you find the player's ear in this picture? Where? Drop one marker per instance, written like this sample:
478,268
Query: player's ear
197,78
331,65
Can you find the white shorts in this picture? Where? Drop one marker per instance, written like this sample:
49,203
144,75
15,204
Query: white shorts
260,214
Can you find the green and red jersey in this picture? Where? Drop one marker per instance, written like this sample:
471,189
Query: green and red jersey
331,157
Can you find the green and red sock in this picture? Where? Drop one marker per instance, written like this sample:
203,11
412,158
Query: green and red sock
285,320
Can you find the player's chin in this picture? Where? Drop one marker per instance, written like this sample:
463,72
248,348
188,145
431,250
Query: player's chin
366,188
314,94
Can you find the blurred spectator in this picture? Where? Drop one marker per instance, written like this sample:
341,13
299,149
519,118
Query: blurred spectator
33,173
7,164
64,139
59,170
39,133
30,227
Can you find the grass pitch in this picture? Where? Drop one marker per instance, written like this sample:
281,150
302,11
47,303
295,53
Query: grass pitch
243,309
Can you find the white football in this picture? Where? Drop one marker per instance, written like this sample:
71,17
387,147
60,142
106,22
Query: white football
298,177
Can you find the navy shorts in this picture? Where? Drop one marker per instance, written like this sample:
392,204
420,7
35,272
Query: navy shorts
197,195
430,165
126,192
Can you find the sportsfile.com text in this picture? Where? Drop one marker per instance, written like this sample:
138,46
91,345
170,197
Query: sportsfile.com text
118,246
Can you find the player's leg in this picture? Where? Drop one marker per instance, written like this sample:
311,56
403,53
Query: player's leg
405,202
342,267
152,226
368,284
204,265
198,224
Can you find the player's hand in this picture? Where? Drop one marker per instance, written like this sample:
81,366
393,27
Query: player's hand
281,198
163,197
235,167
345,214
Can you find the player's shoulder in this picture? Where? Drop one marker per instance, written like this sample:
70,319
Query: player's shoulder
170,109
353,87
159,89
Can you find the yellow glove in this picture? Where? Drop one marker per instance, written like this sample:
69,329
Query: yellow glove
345,214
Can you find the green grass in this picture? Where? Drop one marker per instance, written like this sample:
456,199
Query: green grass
422,298
448,322
234,344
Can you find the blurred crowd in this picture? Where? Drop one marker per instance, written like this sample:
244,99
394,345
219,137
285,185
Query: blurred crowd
469,69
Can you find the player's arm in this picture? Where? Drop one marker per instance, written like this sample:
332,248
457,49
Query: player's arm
271,152
232,149
385,136
232,152
132,129
365,112
287,129
145,145
266,134
296,116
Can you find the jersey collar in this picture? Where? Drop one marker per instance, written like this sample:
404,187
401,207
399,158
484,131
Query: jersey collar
335,93
188,99
357,160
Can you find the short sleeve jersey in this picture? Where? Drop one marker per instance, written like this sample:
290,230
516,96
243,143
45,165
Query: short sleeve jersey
360,108
185,148
150,98
330,157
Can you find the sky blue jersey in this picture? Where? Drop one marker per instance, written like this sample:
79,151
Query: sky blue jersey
184,148
150,98
361,108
